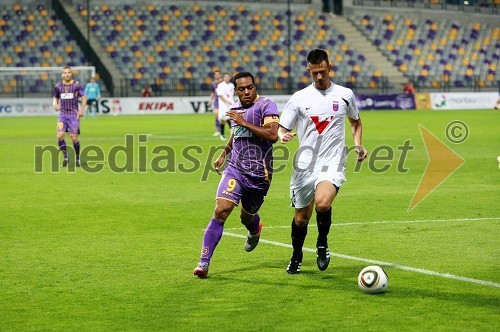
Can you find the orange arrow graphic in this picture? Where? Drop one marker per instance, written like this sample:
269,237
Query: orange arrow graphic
443,161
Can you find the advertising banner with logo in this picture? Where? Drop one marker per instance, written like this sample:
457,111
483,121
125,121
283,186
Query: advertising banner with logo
26,107
463,100
423,101
154,105
385,102
125,106
194,105
108,106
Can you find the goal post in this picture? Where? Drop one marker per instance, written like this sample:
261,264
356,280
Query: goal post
84,72
34,80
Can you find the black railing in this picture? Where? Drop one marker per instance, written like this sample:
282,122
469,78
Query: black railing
484,7
268,86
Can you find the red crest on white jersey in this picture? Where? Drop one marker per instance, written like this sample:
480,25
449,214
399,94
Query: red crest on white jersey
321,121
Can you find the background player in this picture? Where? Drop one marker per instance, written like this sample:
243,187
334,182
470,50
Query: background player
214,100
225,93
248,175
66,94
93,93
318,111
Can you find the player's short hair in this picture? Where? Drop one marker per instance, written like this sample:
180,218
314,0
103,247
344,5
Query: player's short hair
66,67
317,56
241,75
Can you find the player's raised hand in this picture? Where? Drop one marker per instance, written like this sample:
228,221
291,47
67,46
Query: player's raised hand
287,137
362,153
236,117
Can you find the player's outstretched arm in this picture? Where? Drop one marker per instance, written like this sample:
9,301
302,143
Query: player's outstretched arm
269,131
84,105
285,135
357,131
56,105
222,157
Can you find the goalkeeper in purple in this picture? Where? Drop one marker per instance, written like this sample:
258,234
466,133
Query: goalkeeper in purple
247,177
66,94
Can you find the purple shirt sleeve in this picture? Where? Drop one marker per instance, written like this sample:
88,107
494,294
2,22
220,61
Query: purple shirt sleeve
269,109
57,92
81,90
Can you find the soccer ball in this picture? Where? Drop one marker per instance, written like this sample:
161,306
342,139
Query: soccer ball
372,280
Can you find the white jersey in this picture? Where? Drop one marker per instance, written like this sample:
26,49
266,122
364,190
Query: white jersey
320,120
226,90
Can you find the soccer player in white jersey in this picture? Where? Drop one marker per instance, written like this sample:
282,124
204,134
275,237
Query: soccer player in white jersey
318,112
225,93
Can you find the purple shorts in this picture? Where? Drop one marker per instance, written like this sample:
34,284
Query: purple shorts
237,187
68,124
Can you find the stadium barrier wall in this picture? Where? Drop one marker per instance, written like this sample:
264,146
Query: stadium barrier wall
125,106
385,102
457,101
190,105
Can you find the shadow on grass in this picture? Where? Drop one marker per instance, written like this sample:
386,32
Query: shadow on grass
344,278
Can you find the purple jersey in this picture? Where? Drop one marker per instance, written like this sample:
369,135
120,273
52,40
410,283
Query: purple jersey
68,95
252,155
216,99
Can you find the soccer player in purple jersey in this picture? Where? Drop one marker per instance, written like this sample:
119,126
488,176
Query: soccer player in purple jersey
214,100
66,94
247,177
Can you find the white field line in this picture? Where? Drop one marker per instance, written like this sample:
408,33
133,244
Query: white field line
191,138
381,263
381,222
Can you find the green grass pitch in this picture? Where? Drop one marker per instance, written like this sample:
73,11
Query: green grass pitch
115,250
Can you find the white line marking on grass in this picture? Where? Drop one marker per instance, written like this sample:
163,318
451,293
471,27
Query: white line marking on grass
383,222
191,138
375,262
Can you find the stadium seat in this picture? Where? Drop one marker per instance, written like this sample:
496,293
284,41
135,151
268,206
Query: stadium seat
195,32
34,36
417,43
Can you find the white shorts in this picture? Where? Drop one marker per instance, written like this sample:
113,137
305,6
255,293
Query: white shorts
222,116
303,183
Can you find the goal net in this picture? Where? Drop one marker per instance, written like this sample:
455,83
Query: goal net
25,81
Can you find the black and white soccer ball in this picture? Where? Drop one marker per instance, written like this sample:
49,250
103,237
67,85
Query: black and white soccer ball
373,280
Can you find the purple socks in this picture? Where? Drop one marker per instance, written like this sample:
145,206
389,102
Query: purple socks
253,227
213,233
76,145
62,147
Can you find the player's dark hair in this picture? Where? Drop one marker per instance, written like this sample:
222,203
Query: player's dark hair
317,56
243,74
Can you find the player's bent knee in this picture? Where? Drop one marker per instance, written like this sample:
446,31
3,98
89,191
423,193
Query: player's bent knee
323,206
221,215
323,202
223,210
246,218
301,222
